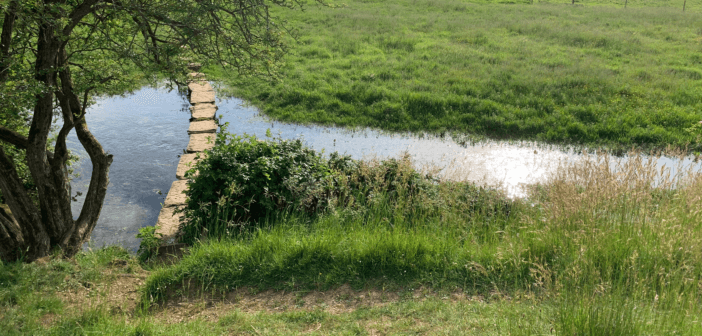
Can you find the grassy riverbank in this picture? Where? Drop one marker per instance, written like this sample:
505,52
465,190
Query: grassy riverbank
589,253
597,74
600,253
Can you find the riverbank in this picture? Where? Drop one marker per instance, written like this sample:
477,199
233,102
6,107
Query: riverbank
589,252
595,74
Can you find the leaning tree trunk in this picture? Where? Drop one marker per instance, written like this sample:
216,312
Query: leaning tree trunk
30,232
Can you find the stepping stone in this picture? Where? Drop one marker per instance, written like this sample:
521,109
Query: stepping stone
203,111
200,86
176,196
186,162
196,75
168,223
194,66
203,106
198,97
203,126
200,142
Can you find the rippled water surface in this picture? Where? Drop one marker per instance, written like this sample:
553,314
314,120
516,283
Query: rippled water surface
147,131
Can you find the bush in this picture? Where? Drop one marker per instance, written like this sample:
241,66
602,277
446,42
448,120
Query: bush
244,180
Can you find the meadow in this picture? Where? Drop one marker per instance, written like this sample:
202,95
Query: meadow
595,74
286,241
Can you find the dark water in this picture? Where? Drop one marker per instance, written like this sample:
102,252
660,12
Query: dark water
147,131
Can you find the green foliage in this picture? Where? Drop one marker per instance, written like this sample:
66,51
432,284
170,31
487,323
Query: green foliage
150,242
244,180
253,179
379,220
595,75
612,254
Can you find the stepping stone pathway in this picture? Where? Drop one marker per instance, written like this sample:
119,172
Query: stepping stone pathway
202,133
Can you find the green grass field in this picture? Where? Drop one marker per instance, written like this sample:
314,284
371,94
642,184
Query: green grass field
595,73
590,252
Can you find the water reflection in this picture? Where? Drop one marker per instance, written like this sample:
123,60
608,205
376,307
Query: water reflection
509,165
146,132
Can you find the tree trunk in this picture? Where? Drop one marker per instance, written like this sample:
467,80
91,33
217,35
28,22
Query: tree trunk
28,232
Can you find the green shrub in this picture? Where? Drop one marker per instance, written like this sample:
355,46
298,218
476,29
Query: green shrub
243,180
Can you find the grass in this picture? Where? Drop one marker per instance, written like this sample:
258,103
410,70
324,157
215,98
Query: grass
31,292
597,250
607,253
589,253
596,75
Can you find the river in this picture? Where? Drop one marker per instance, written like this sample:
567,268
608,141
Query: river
147,131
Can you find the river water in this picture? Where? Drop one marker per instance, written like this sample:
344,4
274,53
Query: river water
147,131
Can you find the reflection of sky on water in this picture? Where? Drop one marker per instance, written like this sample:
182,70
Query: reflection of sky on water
509,165
146,132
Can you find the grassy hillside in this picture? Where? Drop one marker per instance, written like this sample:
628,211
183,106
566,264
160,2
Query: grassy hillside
597,74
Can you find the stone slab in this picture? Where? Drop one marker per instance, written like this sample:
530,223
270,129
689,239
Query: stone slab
200,86
176,195
168,223
200,142
196,75
199,97
203,106
186,162
203,126
204,113
194,66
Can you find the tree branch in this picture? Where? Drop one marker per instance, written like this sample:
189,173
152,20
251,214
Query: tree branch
6,39
16,139
78,14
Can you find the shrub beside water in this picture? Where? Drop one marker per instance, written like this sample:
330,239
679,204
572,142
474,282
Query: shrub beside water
244,181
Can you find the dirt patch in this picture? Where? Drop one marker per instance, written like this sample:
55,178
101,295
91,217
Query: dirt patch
336,301
118,293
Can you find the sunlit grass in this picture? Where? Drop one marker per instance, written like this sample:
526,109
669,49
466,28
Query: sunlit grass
594,74
613,250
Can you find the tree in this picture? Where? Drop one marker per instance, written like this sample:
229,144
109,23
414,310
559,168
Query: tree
54,54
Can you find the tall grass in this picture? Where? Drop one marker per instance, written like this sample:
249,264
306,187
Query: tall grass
616,249
595,75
